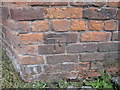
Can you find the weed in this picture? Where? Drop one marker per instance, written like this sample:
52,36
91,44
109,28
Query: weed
101,82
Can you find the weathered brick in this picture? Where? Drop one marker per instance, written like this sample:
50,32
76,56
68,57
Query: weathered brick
5,12
52,68
64,12
118,14
92,56
26,60
95,25
92,73
95,13
30,38
55,59
96,65
95,36
29,50
60,25
111,25
10,36
112,56
28,71
48,3
98,4
27,14
67,67
51,49
110,63
10,24
113,4
53,38
116,36
82,65
80,48
40,26
23,26
78,25
108,46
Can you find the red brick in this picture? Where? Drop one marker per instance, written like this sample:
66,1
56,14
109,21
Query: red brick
78,25
30,38
111,25
28,60
48,3
98,4
29,50
40,26
113,4
27,14
64,12
95,36
92,73
92,56
82,65
51,49
94,25
55,59
60,25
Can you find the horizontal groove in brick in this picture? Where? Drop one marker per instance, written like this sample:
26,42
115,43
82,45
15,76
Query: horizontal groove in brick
54,38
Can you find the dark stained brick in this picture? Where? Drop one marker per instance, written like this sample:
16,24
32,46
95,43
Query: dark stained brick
27,14
5,12
109,46
53,38
80,48
95,13
55,59
92,56
51,49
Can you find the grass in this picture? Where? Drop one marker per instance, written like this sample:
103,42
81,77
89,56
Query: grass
11,79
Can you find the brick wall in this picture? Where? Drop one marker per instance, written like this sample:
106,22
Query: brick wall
61,40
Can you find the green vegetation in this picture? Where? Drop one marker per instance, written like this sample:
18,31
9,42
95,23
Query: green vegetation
101,82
